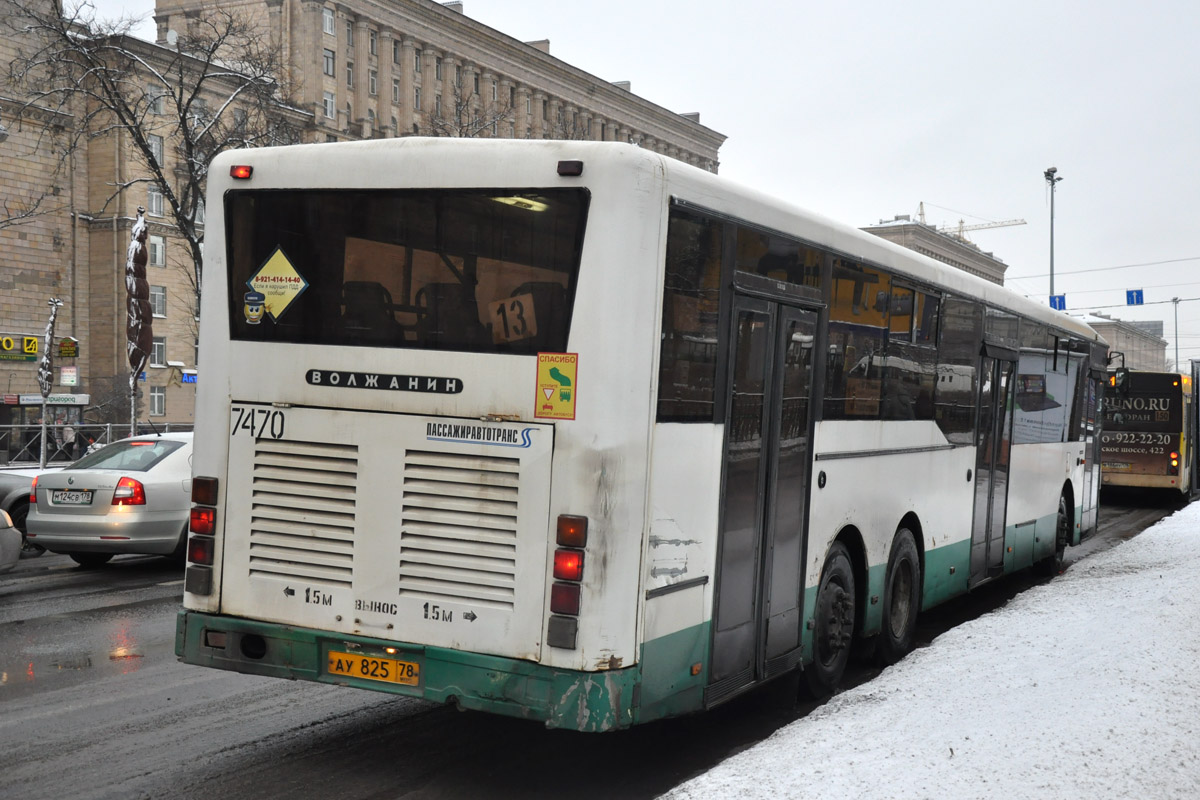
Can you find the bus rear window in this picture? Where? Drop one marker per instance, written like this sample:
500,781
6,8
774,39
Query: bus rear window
468,270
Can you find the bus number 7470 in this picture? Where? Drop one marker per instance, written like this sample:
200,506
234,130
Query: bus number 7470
257,422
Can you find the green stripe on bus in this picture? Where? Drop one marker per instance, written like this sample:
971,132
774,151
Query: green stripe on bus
583,701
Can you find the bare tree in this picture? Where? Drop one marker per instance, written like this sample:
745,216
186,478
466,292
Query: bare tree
216,87
467,115
570,125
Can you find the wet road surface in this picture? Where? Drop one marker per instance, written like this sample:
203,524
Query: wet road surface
93,704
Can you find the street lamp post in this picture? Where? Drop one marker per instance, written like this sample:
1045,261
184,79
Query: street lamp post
1052,179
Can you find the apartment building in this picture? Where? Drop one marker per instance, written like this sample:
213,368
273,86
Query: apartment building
360,70
418,67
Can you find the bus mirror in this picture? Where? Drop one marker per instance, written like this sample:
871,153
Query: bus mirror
1120,381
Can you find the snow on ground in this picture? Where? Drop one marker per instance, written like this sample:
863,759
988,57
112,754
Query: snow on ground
1085,687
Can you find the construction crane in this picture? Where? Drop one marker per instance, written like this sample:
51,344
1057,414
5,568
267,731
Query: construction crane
958,231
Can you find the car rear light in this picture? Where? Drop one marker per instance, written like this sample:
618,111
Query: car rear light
568,564
204,491
200,550
572,531
129,493
564,598
241,171
202,520
33,491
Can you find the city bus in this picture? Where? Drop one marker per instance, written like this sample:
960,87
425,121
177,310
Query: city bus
578,433
1149,438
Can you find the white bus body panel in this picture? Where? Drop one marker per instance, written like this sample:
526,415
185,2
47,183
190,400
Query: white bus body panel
389,528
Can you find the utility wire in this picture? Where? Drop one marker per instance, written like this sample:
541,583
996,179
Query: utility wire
1106,269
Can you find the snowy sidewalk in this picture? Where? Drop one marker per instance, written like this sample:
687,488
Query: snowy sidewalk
1084,688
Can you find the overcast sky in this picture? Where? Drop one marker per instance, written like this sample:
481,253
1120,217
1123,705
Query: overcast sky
861,111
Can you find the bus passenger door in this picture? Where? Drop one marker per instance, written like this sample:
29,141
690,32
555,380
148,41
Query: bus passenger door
756,625
993,437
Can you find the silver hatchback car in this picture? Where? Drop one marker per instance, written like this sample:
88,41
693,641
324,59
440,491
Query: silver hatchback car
132,496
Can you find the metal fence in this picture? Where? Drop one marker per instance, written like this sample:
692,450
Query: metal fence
21,445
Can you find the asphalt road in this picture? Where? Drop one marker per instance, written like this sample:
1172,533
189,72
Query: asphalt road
93,704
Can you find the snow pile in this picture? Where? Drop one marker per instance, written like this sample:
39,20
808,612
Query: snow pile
1085,687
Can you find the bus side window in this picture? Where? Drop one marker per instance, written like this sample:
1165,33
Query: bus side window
691,304
954,393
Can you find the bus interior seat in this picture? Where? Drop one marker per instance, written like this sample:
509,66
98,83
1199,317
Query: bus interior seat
448,313
549,308
368,315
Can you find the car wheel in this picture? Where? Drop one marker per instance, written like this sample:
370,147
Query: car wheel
19,514
90,559
179,554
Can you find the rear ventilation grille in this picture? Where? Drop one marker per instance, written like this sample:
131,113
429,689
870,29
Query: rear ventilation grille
302,511
458,536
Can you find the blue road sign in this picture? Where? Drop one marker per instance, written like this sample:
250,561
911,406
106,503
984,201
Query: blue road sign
1058,302
1133,297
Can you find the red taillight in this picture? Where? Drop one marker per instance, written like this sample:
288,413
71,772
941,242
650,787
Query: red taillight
33,491
241,172
568,565
200,550
572,531
129,493
202,520
204,491
564,598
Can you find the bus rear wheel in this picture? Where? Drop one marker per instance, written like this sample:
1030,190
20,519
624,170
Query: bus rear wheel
901,599
834,624
1053,564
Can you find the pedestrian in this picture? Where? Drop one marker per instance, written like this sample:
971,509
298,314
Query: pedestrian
68,441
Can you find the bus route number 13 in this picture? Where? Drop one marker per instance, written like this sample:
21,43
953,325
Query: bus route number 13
260,423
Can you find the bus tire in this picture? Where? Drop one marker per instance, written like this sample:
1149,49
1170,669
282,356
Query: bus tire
901,599
833,630
1053,564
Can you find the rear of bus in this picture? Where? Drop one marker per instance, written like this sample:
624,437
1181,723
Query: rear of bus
423,421
1144,438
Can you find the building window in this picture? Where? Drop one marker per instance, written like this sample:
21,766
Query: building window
327,21
329,62
437,69
457,75
349,35
437,104
350,75
158,251
396,91
330,107
477,86
395,126
495,92
158,401
371,118
395,51
372,82
417,98
417,61
200,211
155,143
158,301
154,99
373,36
154,200
158,352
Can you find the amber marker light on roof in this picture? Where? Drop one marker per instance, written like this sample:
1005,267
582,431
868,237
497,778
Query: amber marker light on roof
241,172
